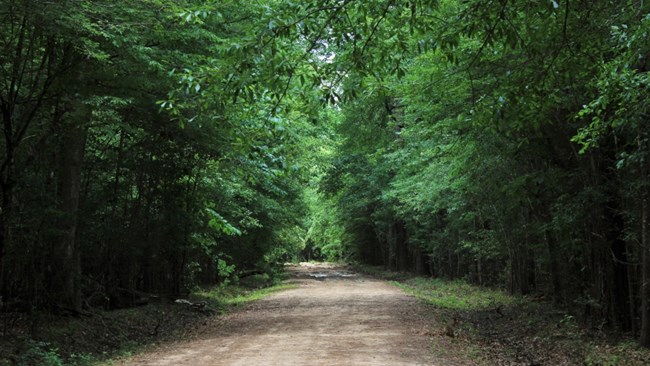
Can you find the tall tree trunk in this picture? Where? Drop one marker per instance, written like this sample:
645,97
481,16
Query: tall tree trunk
73,142
7,181
420,262
554,265
644,293
401,246
632,300
5,214
392,247
645,273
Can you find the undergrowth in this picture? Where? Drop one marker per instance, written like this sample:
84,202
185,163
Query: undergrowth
223,299
95,339
458,295
497,328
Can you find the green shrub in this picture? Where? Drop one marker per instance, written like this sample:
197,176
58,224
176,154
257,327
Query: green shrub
38,354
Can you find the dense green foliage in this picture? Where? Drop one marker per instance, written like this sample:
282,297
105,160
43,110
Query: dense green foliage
150,146
504,143
128,166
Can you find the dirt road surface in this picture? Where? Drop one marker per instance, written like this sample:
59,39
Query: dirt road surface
333,317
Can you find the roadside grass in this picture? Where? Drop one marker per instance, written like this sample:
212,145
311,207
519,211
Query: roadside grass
104,336
493,327
226,298
456,295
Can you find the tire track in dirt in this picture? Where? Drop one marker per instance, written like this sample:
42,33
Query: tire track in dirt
333,317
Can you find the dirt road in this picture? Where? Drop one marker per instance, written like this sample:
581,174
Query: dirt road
333,317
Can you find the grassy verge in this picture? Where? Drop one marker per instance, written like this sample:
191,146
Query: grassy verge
456,295
226,298
102,336
495,328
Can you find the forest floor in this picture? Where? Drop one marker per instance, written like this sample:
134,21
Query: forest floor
326,314
333,317
339,316
494,328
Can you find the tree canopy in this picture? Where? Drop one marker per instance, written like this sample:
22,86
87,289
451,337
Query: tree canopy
152,146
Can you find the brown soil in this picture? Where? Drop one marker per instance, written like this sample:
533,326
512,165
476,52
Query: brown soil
333,317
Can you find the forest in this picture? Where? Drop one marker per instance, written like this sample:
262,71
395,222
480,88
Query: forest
152,146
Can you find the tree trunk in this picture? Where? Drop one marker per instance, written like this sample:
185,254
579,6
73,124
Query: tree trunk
392,247
401,246
5,213
7,180
554,255
632,300
645,263
420,262
72,149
